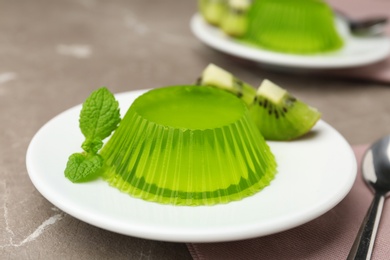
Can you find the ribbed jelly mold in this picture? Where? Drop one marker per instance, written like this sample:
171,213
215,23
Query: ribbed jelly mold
298,26
188,145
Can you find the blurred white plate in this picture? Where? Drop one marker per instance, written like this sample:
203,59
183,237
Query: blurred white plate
357,51
314,174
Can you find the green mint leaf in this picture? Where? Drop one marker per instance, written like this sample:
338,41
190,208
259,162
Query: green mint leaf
92,145
81,166
99,115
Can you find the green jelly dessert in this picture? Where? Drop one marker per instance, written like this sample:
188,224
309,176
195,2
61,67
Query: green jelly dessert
299,26
188,145
296,27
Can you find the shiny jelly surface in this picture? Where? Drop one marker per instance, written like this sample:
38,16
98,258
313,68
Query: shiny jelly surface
188,145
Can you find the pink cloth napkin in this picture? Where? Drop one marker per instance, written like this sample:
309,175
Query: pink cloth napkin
327,237
379,72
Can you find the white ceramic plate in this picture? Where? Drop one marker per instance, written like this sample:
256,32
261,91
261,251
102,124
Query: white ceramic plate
314,174
356,52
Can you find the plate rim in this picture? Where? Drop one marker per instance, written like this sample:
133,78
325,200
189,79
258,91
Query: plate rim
180,234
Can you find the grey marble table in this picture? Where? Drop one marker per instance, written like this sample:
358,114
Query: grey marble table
54,53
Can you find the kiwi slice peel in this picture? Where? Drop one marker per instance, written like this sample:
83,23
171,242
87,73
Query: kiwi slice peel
279,115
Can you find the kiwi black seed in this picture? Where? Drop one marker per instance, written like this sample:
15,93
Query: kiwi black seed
274,110
217,77
281,116
277,114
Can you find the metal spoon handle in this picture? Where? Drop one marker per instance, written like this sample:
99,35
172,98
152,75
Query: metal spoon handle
364,242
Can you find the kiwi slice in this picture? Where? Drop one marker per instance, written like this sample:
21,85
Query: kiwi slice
212,11
215,76
235,21
279,115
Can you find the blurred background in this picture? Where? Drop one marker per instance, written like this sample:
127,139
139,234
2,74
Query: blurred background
53,53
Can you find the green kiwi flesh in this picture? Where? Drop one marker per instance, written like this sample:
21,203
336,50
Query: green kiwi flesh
279,115
212,11
215,76
235,22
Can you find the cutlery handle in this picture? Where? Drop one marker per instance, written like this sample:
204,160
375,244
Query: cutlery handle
364,242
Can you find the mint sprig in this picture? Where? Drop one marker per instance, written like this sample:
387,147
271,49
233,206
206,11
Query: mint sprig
99,117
